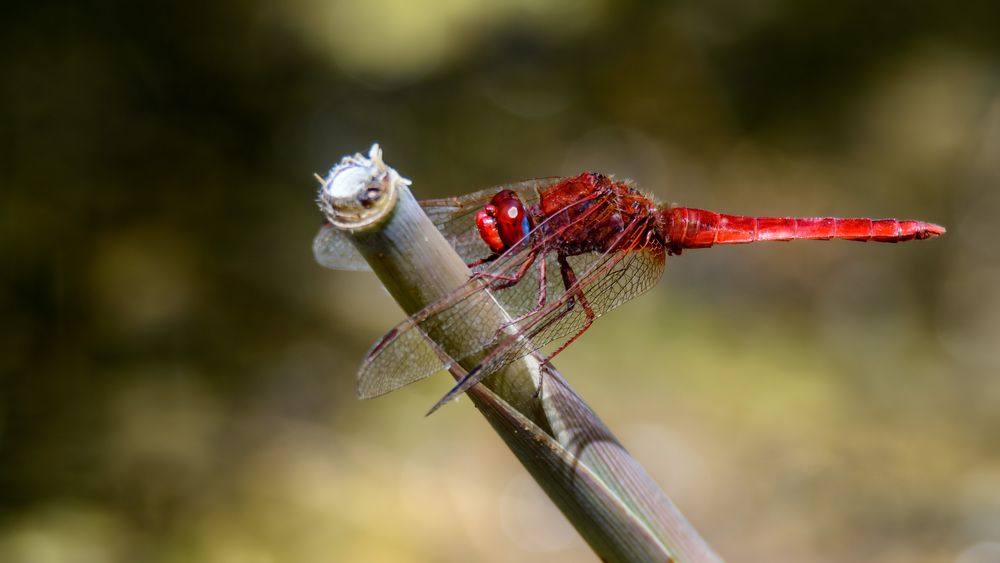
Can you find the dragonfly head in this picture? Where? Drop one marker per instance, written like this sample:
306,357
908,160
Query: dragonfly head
503,221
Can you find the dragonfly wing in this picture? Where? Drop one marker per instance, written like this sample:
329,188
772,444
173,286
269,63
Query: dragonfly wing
333,250
467,321
401,357
605,280
606,283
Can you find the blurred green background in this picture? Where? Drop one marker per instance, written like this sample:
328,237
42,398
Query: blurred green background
178,375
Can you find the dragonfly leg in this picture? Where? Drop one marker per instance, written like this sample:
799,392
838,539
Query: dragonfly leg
482,261
508,281
540,304
569,280
572,291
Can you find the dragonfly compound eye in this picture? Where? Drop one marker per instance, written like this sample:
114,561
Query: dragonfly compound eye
486,222
512,217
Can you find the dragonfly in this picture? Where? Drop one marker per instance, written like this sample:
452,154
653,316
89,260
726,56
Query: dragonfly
556,254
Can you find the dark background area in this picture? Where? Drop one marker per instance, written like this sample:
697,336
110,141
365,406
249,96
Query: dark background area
176,373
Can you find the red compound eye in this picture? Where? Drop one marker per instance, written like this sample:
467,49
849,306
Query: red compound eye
487,224
503,222
513,219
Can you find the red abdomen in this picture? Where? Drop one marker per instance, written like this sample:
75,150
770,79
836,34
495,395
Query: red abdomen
696,228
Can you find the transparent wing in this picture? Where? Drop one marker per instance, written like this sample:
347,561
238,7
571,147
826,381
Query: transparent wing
333,250
392,362
603,280
453,216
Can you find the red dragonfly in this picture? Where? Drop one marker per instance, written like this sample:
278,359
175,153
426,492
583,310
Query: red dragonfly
606,240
